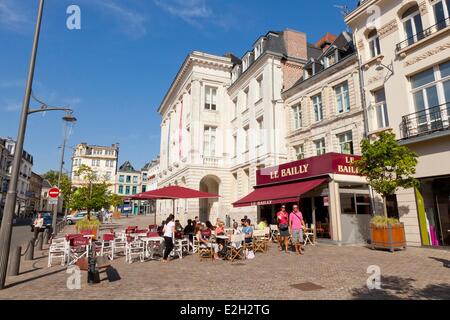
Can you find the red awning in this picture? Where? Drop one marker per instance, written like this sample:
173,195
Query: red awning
284,193
174,192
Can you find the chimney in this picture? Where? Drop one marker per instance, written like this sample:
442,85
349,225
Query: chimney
296,44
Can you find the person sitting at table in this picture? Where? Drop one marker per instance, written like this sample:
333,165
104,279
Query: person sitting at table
236,228
189,229
220,228
262,224
178,226
210,226
248,231
204,235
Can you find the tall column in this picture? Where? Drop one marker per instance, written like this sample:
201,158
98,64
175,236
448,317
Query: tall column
335,211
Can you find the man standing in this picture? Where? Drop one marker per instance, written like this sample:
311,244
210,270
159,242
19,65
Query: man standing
38,224
296,225
283,227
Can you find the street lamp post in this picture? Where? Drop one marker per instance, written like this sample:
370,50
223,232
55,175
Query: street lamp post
69,118
11,197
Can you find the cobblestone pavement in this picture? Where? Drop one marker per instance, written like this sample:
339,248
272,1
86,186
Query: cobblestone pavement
341,272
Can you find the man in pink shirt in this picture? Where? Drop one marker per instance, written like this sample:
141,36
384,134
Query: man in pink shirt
296,226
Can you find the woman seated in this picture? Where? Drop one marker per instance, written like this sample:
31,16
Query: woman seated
189,230
204,235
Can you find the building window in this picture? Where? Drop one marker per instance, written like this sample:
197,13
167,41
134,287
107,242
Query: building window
135,179
412,25
134,190
442,13
121,179
342,98
260,88
120,189
299,152
246,139
235,146
144,188
320,146
330,59
144,177
128,179
374,43
318,108
346,142
235,108
127,190
381,109
210,98
297,110
108,175
431,91
246,99
260,122
209,143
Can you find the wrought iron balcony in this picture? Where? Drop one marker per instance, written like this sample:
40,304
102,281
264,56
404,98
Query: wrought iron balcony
423,34
426,121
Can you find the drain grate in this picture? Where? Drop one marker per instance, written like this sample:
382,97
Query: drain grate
307,286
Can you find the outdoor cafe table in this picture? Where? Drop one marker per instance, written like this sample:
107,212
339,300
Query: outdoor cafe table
148,241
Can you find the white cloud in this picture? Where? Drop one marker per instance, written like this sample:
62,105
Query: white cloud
12,106
12,17
190,11
132,22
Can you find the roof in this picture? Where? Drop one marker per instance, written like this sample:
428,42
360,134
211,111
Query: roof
343,43
127,167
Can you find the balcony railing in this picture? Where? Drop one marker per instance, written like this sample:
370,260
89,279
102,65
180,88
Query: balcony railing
426,121
423,34
211,162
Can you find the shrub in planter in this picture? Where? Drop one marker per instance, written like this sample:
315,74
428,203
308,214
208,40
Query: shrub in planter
90,225
387,233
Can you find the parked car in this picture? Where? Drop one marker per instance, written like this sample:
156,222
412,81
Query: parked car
72,219
48,219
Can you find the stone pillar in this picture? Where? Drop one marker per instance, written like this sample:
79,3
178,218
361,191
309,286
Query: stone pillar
335,211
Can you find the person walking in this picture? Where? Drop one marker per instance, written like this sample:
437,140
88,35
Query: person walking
296,226
283,226
37,225
168,230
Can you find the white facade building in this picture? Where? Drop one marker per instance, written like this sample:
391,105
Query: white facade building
101,159
223,118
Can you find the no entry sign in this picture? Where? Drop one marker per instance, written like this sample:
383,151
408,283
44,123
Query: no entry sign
54,193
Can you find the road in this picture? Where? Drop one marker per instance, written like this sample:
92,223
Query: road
21,236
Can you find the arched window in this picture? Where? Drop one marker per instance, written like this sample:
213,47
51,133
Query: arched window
374,43
412,25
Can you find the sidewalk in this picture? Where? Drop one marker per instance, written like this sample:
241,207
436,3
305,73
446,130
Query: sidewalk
324,272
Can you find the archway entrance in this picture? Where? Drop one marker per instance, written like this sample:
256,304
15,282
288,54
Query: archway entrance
209,207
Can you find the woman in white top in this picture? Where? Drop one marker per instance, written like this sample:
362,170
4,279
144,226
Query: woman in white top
168,230
38,224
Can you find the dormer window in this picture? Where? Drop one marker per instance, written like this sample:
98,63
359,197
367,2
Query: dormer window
259,48
331,59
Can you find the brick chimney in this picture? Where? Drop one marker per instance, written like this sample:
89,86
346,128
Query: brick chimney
296,44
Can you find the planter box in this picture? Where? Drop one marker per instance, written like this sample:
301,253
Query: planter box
391,238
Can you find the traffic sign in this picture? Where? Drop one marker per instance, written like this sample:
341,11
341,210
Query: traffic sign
54,193
52,201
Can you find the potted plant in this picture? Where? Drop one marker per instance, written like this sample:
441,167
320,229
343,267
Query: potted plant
387,233
88,224
388,167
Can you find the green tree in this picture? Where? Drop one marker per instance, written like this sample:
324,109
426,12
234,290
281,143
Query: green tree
66,184
115,200
387,165
93,195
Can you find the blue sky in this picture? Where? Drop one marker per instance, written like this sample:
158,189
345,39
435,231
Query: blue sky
116,69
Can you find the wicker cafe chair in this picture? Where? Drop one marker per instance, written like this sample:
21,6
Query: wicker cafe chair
235,247
205,253
259,242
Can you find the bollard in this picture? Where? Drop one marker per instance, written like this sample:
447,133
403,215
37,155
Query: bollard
40,241
14,265
29,255
46,236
